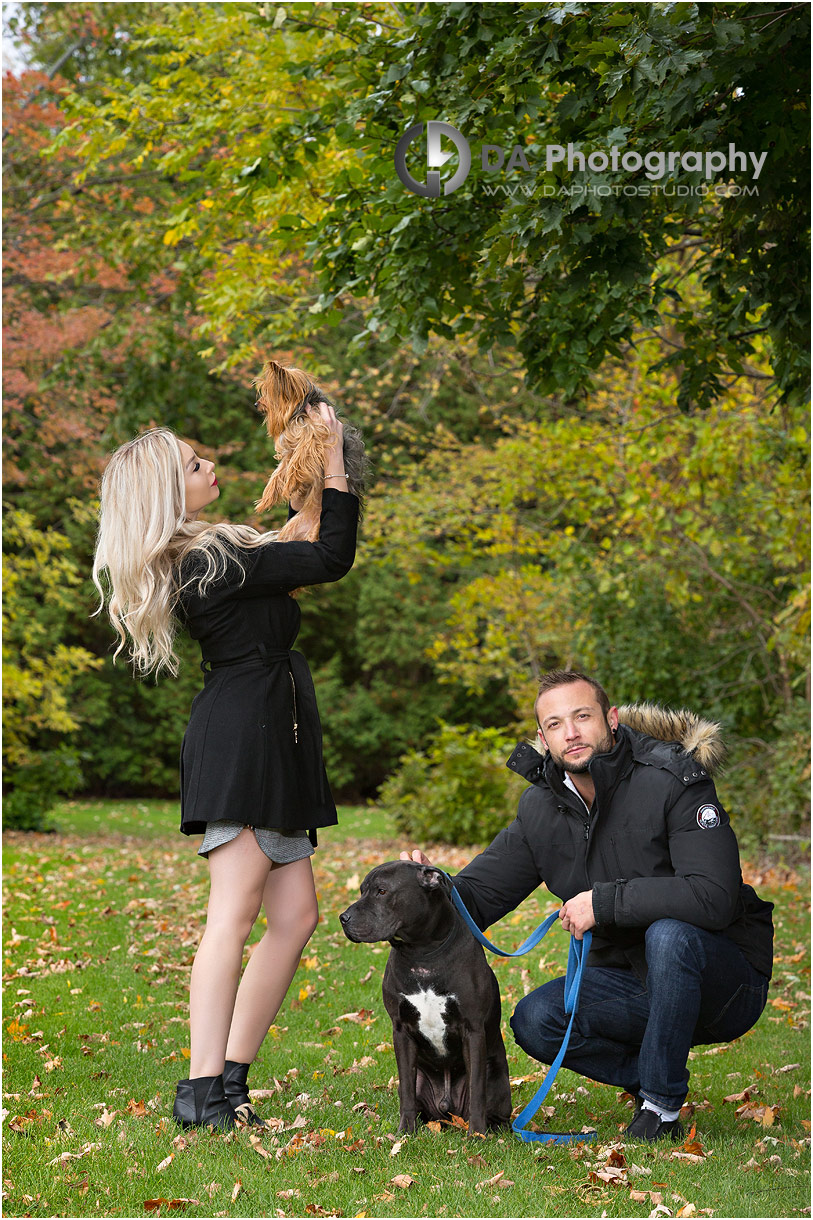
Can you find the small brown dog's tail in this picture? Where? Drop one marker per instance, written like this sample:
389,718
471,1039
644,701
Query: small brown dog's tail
283,396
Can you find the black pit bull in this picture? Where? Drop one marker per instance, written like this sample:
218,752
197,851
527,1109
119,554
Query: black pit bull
442,997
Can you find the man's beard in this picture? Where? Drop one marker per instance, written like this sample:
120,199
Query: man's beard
580,768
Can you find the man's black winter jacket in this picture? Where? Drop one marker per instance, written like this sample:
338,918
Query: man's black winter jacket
657,844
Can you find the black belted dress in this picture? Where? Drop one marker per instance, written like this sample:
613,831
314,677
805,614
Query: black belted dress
252,751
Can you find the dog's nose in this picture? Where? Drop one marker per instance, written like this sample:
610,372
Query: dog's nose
344,917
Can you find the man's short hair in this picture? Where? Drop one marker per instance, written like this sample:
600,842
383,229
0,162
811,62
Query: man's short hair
564,677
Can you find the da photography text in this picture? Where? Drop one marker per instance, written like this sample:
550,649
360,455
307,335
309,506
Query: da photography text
655,164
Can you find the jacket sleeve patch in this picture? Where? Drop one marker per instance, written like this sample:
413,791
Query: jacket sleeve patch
708,817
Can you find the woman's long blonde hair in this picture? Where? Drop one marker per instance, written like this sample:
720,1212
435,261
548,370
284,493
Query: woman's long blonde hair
143,537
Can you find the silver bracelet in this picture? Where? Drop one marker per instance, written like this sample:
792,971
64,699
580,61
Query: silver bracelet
343,475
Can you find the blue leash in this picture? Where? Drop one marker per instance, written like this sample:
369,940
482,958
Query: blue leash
576,960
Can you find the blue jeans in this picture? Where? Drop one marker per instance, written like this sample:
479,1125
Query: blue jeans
699,988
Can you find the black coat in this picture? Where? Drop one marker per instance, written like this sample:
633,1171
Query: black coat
646,850
252,751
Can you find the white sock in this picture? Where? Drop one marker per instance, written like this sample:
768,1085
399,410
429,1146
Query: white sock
666,1116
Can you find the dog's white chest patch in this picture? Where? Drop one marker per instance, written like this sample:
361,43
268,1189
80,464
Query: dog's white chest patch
431,1016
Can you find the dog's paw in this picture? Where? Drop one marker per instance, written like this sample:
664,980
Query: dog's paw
408,1123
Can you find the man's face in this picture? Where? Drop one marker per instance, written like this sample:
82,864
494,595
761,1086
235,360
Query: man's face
573,726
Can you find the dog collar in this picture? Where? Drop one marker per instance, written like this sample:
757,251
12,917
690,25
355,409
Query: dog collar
399,943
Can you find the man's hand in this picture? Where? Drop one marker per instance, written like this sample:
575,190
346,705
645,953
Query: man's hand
577,914
417,856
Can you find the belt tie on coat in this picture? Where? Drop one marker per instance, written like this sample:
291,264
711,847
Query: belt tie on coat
268,657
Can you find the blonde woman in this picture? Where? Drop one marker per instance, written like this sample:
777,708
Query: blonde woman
252,777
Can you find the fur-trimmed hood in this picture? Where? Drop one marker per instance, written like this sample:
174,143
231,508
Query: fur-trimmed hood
700,738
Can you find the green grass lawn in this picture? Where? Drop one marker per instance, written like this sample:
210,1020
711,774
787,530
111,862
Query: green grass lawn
102,922
161,819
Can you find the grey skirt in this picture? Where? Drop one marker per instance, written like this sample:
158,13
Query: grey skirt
281,846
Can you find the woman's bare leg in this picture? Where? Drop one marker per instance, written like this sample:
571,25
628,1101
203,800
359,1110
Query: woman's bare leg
238,872
292,913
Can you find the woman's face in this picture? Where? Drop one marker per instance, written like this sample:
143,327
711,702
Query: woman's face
199,477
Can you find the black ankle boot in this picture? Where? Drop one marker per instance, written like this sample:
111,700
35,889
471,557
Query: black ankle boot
202,1102
235,1076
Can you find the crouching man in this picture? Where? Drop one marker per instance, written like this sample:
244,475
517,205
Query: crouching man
622,823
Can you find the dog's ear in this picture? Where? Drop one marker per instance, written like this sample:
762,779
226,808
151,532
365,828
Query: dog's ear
432,878
281,393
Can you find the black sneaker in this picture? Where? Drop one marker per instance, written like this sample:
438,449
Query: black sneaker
647,1125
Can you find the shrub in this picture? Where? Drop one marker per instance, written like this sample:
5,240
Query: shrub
39,785
766,787
41,577
458,790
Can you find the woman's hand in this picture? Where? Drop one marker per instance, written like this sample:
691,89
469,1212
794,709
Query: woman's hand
327,415
334,453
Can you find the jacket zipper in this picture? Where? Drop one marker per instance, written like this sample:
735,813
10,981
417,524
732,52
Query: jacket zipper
585,825
585,836
293,697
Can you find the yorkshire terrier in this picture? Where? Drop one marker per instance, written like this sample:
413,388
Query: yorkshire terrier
283,397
